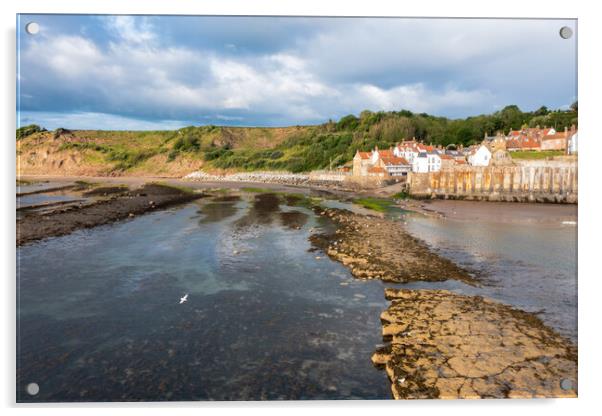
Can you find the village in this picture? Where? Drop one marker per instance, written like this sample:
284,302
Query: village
413,156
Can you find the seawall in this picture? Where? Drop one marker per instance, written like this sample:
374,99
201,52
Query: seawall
525,182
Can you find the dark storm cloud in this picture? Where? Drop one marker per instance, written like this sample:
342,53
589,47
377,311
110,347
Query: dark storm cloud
278,71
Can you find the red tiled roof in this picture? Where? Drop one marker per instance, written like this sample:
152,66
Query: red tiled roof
394,161
364,155
386,153
555,136
376,169
530,143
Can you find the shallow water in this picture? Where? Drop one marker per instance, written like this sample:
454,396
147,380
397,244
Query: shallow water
59,196
99,315
38,186
530,266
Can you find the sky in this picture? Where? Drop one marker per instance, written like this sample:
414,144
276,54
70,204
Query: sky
166,72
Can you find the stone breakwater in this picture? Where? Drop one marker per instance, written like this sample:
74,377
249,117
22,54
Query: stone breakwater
283,178
526,182
444,345
377,248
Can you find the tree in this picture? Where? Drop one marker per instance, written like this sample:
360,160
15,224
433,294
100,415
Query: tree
574,106
511,117
28,130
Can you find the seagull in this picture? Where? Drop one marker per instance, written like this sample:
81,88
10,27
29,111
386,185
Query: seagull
184,298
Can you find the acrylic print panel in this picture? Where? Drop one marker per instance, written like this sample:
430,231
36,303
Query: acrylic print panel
260,208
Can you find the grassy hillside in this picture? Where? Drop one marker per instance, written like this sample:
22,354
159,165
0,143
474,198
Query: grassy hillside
296,149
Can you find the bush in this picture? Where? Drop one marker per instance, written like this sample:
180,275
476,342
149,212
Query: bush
28,130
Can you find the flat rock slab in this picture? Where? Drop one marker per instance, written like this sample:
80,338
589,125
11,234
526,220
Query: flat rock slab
444,345
377,248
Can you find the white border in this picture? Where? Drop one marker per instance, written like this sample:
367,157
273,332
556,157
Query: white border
590,127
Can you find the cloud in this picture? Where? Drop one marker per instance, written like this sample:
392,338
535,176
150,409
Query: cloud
418,97
138,68
130,29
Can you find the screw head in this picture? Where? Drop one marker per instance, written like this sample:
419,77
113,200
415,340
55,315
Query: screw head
32,28
566,32
566,384
33,389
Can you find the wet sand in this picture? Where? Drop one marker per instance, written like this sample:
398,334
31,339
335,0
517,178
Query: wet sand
498,212
189,183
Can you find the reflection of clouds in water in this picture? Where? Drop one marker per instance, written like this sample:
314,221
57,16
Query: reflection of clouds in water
281,338
532,267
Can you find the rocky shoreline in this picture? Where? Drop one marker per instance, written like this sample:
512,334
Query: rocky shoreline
448,346
377,248
121,203
439,344
330,181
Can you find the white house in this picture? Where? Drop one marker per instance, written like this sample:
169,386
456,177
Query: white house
434,161
573,144
481,156
420,163
409,150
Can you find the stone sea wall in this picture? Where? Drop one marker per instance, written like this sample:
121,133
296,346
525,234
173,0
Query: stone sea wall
318,178
526,182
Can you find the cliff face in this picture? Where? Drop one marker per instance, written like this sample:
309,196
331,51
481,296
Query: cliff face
122,153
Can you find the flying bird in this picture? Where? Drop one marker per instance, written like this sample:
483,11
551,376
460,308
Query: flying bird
184,298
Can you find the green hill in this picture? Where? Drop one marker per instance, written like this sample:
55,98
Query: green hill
295,149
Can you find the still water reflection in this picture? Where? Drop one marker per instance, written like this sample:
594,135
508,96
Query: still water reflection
100,319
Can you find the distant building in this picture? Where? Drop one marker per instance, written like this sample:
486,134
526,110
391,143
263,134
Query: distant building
380,163
434,161
361,163
497,146
421,157
573,144
539,139
420,163
480,156
558,141
447,161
